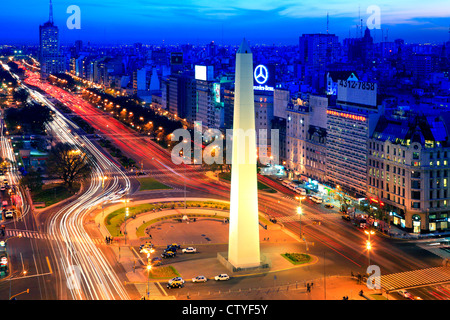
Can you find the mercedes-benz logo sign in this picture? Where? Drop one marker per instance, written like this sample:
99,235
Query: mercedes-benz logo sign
261,74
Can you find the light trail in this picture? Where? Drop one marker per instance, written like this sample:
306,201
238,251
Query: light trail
87,273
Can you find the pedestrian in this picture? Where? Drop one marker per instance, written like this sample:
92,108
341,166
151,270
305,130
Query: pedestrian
150,236
106,239
312,284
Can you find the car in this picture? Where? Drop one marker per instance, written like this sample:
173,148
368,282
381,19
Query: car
9,214
156,261
146,248
346,217
222,277
177,282
405,294
199,279
168,254
173,245
189,250
329,206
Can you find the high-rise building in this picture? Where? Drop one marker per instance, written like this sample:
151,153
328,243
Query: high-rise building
408,171
349,126
316,52
50,57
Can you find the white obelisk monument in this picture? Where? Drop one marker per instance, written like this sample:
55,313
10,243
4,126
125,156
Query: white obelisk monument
243,243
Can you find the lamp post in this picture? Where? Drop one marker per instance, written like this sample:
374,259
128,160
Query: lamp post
368,243
300,213
126,215
149,268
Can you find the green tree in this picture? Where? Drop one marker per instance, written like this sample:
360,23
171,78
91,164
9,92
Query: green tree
68,163
32,180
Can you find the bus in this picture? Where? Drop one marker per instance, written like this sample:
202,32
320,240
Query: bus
316,199
300,191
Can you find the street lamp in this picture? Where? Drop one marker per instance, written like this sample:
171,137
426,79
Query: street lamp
368,243
149,268
300,213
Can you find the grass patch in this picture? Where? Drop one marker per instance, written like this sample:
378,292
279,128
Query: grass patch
54,193
151,184
297,258
115,219
163,272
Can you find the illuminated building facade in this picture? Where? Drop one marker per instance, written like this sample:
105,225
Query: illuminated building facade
408,172
50,57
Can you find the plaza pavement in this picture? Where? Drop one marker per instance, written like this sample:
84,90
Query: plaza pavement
206,232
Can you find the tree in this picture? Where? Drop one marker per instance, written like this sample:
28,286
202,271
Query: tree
32,180
68,163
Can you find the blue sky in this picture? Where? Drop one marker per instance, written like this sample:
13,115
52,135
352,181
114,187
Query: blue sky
198,22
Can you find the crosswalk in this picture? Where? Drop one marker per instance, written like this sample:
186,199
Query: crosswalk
416,278
40,236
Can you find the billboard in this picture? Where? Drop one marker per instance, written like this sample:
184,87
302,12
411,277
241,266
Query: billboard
357,92
176,58
205,73
216,89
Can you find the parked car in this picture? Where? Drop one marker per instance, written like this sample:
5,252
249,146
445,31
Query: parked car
222,277
199,279
146,248
156,261
177,282
168,254
189,250
328,206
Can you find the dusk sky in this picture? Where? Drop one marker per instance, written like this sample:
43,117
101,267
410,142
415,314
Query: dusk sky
224,21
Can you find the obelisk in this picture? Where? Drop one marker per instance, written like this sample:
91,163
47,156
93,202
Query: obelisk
243,243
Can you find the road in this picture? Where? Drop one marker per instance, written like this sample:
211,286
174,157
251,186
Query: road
342,242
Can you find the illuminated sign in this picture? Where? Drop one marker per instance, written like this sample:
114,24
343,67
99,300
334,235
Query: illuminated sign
357,92
346,115
216,89
204,73
261,76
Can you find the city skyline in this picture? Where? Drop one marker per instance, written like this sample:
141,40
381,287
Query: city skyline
114,23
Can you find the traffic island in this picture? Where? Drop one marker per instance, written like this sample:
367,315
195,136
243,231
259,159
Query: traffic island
297,258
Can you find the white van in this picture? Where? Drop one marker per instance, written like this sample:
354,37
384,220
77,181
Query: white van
316,199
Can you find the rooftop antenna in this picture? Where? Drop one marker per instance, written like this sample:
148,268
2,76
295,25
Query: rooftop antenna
328,23
50,19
